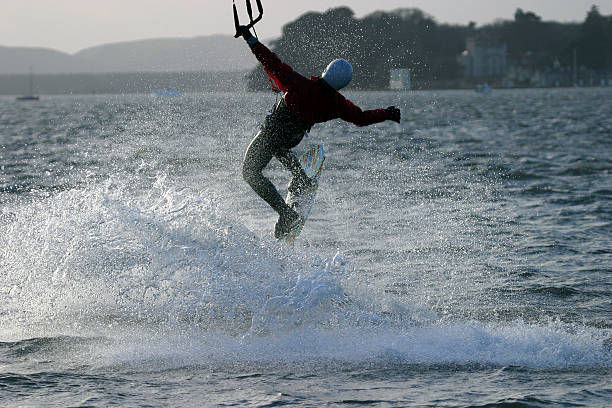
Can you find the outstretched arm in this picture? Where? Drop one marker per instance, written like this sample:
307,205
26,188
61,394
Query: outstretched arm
285,74
352,113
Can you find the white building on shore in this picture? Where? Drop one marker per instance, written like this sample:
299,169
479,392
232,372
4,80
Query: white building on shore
483,59
400,79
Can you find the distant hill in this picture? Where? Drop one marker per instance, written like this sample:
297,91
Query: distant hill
16,60
215,53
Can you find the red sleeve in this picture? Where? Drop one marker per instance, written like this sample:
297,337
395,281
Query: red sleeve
352,113
285,74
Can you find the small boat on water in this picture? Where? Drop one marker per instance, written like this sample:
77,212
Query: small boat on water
30,96
483,89
166,92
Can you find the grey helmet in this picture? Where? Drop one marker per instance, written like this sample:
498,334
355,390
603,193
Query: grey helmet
338,73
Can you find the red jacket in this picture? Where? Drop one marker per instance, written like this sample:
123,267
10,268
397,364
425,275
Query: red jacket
311,100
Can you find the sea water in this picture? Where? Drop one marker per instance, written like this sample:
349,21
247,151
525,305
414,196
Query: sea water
460,258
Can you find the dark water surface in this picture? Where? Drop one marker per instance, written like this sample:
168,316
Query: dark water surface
462,258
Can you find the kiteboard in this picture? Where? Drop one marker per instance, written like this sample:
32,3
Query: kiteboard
302,202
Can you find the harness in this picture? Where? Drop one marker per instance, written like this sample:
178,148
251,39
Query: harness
282,122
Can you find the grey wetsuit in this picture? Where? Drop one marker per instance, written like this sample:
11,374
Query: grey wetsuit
280,132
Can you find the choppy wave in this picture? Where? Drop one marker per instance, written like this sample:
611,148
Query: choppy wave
171,279
176,346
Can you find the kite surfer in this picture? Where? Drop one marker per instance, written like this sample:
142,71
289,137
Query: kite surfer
304,102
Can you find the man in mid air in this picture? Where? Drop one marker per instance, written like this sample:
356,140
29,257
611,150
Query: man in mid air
304,103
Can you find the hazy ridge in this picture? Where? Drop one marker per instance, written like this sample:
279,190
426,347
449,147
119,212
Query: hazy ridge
214,53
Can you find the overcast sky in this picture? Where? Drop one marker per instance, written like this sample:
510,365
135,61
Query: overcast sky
71,25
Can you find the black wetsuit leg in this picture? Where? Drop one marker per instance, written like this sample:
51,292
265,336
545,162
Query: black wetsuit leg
300,180
281,131
258,155
292,163
263,147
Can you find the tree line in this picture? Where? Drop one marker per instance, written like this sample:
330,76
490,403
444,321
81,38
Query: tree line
410,38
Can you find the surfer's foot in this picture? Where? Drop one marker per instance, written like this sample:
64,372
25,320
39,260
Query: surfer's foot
286,224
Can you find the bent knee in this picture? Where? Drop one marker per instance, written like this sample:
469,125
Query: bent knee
251,175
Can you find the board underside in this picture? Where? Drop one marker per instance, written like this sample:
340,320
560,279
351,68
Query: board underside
312,163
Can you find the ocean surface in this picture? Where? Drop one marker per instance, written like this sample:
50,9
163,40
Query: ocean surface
460,258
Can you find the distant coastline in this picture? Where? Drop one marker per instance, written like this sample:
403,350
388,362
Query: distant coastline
525,52
124,83
148,83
